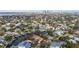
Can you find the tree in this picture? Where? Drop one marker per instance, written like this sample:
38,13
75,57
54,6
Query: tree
8,38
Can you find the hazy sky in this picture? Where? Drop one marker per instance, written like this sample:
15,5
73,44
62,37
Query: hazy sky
39,4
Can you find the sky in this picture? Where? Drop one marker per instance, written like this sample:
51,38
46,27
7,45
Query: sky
39,4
